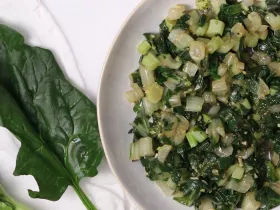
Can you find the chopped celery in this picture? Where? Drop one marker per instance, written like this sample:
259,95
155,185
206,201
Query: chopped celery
214,44
150,61
216,27
256,117
144,47
238,173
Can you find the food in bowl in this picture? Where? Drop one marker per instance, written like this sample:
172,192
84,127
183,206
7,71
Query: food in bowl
207,104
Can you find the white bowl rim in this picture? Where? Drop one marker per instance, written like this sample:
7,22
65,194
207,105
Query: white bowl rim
99,103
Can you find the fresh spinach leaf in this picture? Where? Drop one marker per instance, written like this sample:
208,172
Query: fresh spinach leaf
54,121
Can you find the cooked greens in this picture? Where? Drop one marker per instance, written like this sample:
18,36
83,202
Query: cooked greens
55,123
207,100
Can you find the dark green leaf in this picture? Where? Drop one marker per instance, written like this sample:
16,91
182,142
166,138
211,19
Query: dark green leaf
55,122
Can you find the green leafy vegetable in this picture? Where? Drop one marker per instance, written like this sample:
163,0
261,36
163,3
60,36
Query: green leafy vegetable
55,122
7,203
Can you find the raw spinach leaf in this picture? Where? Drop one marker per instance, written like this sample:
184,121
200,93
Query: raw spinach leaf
55,122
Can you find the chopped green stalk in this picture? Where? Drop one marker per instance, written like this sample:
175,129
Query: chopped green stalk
144,47
135,151
246,103
170,23
194,104
146,147
171,184
200,136
216,27
163,152
206,118
256,117
214,44
191,139
251,40
238,173
201,30
150,61
273,91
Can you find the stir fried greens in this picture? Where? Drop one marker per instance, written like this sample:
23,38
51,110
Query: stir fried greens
207,104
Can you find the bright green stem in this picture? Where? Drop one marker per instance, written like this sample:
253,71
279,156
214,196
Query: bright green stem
88,204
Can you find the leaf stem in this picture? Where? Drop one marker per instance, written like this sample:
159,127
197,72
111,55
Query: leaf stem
86,201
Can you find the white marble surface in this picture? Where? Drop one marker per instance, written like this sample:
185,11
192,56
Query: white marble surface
89,27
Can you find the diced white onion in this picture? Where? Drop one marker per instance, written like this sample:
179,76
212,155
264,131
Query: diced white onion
261,58
224,152
147,77
175,101
209,97
190,68
197,51
249,202
194,104
176,12
180,38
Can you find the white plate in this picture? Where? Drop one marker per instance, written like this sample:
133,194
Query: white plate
115,113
